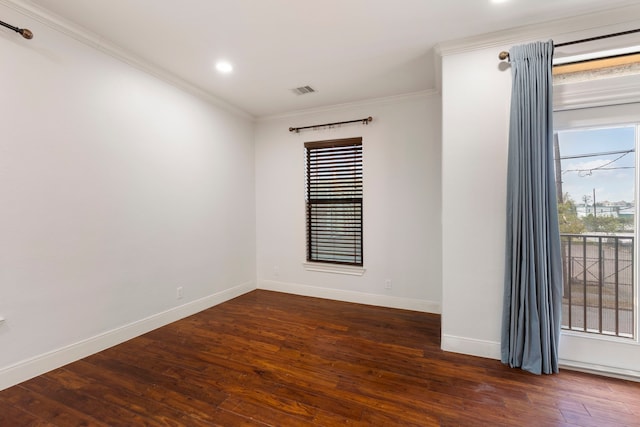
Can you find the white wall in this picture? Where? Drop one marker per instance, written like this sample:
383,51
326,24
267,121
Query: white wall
475,109
476,89
115,189
401,161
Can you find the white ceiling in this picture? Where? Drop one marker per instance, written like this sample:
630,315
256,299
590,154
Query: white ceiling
348,50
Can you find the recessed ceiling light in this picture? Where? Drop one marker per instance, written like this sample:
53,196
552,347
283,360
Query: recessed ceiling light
224,67
499,1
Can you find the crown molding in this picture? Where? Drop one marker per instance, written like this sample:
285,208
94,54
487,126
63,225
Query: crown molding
94,41
561,30
428,93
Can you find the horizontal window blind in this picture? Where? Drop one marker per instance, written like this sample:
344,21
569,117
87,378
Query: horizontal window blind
334,201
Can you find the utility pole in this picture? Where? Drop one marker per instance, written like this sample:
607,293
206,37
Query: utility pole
586,199
558,165
594,203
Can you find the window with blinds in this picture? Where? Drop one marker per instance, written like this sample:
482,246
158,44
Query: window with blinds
334,201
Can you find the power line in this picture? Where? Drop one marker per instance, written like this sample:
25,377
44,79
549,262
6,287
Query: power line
604,153
602,167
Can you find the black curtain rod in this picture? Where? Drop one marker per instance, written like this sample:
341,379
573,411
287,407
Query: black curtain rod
27,34
363,121
504,55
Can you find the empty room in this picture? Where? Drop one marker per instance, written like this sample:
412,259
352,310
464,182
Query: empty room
290,213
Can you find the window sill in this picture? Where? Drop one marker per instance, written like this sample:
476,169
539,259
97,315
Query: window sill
334,268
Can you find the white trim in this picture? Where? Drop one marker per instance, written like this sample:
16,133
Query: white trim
38,365
562,30
596,93
352,296
596,55
471,346
429,93
334,268
608,371
94,41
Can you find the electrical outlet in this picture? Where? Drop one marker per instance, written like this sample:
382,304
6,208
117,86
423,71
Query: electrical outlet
388,284
179,292
276,271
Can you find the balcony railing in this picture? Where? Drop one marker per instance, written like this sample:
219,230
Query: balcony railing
598,284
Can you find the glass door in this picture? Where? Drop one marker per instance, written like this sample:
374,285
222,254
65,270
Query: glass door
596,159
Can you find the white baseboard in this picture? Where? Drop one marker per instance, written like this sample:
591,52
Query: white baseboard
38,365
491,350
470,346
352,296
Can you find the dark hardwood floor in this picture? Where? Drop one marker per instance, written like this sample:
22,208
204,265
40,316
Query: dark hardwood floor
274,359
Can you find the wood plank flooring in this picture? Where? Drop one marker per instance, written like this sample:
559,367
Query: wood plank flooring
270,359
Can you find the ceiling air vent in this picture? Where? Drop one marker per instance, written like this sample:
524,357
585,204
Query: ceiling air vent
303,90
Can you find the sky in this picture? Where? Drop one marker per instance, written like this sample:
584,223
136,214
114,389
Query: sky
611,175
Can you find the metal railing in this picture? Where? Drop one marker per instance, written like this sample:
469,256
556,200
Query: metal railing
598,292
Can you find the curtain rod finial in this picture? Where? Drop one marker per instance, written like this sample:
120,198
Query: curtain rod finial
503,55
27,34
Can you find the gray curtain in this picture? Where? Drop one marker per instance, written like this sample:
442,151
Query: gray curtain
533,273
